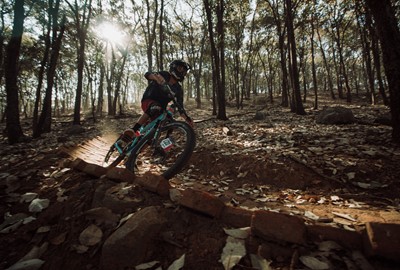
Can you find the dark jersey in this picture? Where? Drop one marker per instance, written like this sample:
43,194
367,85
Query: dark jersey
155,91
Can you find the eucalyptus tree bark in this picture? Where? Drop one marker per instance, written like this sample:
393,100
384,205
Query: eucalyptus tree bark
247,76
366,46
283,59
389,36
2,27
343,66
118,83
376,57
217,54
326,64
44,123
195,42
13,125
313,66
297,102
52,48
43,64
150,31
161,37
82,24
100,96
221,114
339,26
110,73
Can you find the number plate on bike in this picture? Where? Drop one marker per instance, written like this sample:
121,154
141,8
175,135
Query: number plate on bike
166,144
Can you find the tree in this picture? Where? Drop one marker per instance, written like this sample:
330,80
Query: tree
82,24
44,123
218,56
296,104
149,27
280,27
389,36
14,130
314,68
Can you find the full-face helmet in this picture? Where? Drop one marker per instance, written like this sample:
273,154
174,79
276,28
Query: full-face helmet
179,69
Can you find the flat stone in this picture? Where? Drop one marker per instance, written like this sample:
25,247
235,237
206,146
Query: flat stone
120,175
129,245
278,227
202,202
383,239
236,216
154,183
345,238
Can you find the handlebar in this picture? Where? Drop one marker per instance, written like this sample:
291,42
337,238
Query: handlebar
167,89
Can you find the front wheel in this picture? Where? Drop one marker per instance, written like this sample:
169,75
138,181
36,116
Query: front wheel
113,158
166,153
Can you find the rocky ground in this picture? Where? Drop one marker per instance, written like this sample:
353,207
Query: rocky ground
342,176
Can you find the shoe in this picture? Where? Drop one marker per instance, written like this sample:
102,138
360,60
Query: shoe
126,137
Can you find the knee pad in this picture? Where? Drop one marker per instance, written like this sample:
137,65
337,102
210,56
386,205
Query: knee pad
154,110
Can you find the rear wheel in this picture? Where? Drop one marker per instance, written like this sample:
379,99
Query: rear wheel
167,155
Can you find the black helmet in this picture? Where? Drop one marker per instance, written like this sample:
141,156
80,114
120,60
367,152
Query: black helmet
179,69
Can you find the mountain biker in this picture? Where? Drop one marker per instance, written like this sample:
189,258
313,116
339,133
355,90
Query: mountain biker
155,99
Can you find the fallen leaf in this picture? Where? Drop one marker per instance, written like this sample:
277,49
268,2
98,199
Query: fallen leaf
233,252
12,227
91,236
314,263
258,262
59,239
177,264
328,246
241,233
351,175
37,205
311,215
28,197
345,216
29,264
80,249
35,253
145,266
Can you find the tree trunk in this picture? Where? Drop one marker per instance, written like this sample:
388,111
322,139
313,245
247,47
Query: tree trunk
366,45
389,35
313,66
100,97
298,105
42,68
150,32
328,69
221,114
44,124
14,130
119,80
161,35
82,24
217,63
377,58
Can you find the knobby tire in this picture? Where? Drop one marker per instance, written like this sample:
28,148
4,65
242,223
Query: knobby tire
148,152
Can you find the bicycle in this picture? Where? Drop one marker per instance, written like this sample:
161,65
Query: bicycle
164,145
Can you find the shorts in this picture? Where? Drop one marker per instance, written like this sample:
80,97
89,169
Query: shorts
146,107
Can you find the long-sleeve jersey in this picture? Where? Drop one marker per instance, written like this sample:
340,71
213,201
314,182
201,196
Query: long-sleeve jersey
155,91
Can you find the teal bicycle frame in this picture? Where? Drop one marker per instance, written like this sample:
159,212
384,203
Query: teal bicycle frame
144,130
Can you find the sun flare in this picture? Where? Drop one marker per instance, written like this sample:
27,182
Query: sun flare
111,33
